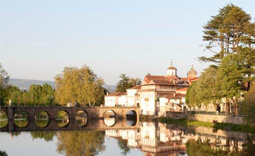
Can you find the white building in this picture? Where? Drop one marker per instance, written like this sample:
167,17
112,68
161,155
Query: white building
156,93
130,98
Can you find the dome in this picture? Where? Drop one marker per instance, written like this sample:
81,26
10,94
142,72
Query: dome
171,67
192,73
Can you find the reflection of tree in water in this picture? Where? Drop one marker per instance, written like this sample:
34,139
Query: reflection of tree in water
3,153
14,134
249,148
47,136
197,148
80,143
123,146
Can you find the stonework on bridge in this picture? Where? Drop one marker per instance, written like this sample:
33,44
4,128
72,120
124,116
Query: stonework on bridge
93,114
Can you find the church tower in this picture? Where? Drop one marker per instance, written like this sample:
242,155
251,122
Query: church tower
192,73
171,71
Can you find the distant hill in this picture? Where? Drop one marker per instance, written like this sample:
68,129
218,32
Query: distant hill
110,88
24,84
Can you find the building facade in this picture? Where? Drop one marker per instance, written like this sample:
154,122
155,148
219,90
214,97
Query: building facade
156,94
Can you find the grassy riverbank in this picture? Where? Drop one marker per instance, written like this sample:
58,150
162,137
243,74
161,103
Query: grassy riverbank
223,126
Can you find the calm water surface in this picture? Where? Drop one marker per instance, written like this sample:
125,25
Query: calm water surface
128,138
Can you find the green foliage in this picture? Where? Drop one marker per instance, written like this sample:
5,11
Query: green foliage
80,86
197,148
47,136
3,153
123,146
125,82
3,84
231,37
36,95
230,76
223,126
248,106
80,143
226,32
205,90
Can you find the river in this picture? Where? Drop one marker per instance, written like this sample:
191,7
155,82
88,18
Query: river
121,137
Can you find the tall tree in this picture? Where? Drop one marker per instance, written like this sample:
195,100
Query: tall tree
248,106
227,31
80,86
230,75
126,82
3,84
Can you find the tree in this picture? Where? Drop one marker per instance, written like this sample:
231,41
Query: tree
248,106
125,82
226,32
205,90
13,93
231,32
80,86
3,153
3,84
230,76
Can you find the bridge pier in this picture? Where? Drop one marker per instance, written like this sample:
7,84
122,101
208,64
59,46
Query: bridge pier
10,115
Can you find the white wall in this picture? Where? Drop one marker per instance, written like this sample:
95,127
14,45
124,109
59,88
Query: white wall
147,102
111,101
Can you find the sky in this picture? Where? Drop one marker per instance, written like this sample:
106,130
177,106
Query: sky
38,38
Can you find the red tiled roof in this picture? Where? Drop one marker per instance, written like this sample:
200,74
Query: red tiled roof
136,87
117,94
161,80
194,79
183,89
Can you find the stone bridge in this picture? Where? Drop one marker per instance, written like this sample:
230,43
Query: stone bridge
93,113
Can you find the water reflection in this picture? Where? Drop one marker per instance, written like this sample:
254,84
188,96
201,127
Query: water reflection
21,119
81,118
42,119
3,119
80,143
62,119
150,138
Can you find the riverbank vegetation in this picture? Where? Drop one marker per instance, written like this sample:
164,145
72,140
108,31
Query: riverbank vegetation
199,148
230,36
74,86
193,123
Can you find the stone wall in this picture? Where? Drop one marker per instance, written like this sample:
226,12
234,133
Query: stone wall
218,118
207,117
177,115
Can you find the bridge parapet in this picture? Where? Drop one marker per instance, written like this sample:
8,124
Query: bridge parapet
92,113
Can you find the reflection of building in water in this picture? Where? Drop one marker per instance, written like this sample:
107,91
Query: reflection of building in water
161,139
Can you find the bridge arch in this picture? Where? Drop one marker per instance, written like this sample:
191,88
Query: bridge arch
21,118
110,114
62,118
42,118
132,117
3,119
81,118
